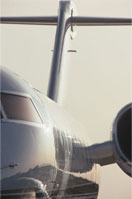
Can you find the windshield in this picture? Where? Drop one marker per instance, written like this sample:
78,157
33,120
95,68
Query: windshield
19,108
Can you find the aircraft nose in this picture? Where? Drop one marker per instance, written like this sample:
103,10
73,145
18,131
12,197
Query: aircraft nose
24,147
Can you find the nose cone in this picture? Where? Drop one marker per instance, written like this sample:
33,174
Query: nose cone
24,148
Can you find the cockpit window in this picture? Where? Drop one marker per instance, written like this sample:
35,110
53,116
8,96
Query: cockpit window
19,108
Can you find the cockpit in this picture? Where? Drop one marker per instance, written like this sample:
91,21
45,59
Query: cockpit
18,107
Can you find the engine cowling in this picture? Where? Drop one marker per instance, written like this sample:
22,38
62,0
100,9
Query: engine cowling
118,149
70,152
121,135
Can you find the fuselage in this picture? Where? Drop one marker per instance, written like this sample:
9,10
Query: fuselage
37,142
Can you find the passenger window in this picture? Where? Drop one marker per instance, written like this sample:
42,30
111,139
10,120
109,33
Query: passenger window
19,108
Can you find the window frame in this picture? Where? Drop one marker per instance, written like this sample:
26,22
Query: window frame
20,94
2,112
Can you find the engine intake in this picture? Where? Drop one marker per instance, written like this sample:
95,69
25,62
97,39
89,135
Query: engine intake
118,150
122,139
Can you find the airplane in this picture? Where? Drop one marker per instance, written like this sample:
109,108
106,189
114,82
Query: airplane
43,151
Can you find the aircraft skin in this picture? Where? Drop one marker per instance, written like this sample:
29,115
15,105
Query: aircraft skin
44,153
31,152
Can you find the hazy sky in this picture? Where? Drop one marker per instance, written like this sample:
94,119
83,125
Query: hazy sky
98,83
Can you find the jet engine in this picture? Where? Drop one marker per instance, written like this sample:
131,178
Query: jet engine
121,135
74,156
118,150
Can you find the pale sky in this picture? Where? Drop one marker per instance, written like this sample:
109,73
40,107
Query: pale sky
99,73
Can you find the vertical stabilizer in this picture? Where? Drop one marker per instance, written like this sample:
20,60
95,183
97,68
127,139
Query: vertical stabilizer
65,14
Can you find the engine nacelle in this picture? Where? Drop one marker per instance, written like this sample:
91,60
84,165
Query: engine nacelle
121,135
74,156
118,149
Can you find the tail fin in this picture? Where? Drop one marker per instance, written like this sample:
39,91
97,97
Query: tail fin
64,20
57,69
